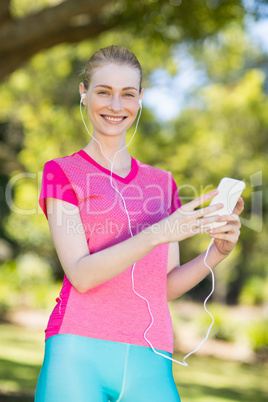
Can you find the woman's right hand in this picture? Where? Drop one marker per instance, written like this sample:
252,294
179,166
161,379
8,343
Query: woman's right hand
186,221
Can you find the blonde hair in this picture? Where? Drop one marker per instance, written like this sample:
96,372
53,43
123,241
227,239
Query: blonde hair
111,54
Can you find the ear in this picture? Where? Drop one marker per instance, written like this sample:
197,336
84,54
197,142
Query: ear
141,96
83,93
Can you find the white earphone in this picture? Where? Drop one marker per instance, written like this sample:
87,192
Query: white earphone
183,363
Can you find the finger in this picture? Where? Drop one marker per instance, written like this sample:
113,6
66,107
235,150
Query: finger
199,213
197,202
229,228
207,221
197,228
208,210
233,218
239,206
235,223
204,225
231,238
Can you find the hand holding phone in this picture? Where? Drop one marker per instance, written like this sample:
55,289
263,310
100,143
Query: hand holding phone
229,192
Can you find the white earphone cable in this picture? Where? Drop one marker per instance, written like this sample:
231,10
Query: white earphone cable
183,363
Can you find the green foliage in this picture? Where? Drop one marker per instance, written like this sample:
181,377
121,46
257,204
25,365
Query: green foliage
222,329
159,20
227,136
258,337
227,55
255,291
20,8
222,132
26,282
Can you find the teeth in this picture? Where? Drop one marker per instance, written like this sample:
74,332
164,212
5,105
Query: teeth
114,118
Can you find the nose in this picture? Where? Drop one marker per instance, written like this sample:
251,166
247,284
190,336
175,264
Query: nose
115,104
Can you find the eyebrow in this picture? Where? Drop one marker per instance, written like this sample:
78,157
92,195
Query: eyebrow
107,86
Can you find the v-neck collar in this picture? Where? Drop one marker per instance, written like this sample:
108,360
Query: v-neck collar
127,179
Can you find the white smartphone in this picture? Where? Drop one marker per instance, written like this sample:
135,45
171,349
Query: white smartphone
229,192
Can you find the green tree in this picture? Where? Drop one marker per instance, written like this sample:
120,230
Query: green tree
224,133
29,26
149,27
228,137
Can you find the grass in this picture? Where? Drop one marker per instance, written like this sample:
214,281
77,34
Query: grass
205,380
211,380
21,354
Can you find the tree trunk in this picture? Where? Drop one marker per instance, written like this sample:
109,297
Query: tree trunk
70,21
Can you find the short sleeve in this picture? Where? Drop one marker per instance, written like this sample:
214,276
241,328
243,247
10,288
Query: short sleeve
55,184
175,200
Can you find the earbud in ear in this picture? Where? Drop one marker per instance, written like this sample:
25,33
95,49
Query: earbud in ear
83,96
140,102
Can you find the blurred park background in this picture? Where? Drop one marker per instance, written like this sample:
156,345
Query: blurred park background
205,116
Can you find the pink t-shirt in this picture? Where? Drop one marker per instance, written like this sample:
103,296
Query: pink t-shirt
112,311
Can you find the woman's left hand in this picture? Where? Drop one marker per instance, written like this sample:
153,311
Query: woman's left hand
225,237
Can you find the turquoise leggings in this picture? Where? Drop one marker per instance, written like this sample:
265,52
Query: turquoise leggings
81,369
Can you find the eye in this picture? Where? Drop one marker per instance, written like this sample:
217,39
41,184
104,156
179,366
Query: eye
128,95
102,93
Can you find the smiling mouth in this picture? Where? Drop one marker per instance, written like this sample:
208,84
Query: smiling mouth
113,119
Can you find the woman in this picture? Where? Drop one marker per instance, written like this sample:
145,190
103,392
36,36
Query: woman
110,336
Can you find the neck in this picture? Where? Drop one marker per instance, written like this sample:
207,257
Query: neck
109,148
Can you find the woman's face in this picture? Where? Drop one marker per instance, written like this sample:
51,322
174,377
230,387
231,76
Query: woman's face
113,98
